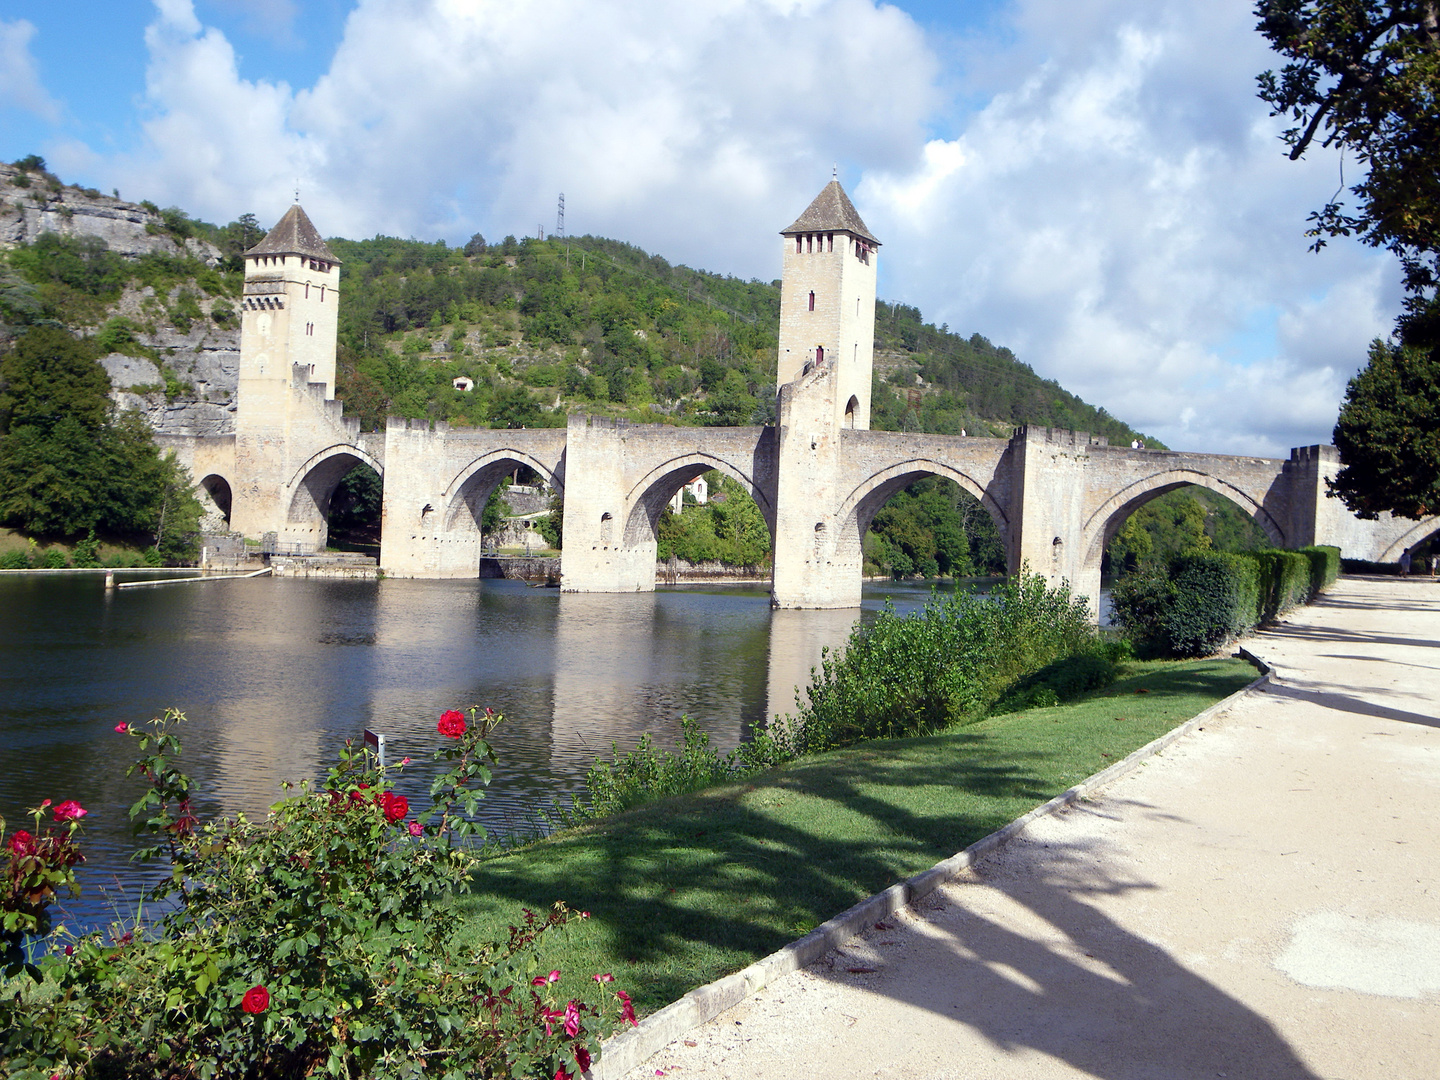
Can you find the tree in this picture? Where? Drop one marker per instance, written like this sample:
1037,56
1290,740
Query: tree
50,374
1388,435
1364,75
475,246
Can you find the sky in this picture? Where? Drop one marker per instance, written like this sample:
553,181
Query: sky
1092,183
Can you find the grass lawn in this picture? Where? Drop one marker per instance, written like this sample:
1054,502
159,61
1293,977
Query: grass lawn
688,889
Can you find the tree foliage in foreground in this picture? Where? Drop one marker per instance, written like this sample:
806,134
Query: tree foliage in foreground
1364,76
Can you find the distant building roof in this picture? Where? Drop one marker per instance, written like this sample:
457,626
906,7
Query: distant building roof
831,211
293,234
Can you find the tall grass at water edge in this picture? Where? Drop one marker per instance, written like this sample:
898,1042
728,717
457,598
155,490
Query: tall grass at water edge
948,664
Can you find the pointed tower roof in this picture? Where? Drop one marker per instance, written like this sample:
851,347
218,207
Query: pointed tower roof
294,234
832,211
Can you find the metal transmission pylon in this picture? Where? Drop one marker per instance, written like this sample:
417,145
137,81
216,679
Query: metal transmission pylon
560,217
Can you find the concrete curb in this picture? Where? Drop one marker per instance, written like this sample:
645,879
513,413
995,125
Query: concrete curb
623,1052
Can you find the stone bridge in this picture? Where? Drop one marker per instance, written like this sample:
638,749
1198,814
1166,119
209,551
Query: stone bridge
818,476
1056,497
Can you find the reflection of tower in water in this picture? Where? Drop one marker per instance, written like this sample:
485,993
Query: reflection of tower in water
631,664
798,637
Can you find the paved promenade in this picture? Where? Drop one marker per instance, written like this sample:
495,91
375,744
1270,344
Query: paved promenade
1260,901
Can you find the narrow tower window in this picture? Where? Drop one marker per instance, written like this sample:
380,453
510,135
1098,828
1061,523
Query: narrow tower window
819,354
829,242
307,290
799,245
810,245
812,299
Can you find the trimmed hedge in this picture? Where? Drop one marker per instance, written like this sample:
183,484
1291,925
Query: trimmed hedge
1206,598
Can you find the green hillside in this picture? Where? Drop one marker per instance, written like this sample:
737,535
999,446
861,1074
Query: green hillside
540,328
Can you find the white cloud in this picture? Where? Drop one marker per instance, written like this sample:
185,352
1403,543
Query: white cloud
1120,214
20,84
692,128
1115,208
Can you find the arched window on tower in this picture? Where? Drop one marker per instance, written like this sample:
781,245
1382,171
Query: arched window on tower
850,408
819,354
812,299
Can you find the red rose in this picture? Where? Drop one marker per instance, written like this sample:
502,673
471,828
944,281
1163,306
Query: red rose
69,810
395,807
22,843
122,729
582,1057
257,1000
452,724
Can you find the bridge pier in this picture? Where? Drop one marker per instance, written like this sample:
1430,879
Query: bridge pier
603,550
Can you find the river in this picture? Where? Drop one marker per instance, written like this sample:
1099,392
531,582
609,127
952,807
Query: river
275,674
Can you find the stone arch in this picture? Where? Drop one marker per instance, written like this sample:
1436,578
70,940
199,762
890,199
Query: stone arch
653,492
866,499
1412,536
851,407
313,485
466,495
1102,525
216,497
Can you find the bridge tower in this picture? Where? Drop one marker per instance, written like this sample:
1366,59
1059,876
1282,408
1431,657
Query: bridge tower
827,351
289,319
827,302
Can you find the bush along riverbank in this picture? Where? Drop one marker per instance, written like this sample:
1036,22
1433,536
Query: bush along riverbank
927,733
1204,599
318,941
342,936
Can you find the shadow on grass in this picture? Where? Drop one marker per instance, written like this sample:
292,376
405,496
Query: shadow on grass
685,890
688,889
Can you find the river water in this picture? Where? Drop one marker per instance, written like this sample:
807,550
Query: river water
275,674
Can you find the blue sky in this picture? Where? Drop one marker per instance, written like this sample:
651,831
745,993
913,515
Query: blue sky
1090,182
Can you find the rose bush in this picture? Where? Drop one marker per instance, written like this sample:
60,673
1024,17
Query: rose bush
314,941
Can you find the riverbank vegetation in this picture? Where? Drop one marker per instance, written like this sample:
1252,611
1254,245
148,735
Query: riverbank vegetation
71,467
317,941
691,887
1201,599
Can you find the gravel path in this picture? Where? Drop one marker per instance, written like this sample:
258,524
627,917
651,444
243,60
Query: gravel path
1260,901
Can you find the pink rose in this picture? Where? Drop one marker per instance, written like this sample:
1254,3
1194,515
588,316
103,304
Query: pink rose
69,810
416,829
122,729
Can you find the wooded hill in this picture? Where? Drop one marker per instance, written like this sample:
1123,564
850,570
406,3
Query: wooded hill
540,328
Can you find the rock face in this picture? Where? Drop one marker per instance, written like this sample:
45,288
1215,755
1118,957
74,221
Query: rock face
204,361
41,207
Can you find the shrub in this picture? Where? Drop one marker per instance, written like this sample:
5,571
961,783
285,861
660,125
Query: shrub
945,664
1324,566
15,560
1139,602
1214,600
53,559
1283,582
1062,680
315,941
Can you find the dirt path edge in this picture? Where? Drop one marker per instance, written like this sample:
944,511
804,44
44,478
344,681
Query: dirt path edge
623,1052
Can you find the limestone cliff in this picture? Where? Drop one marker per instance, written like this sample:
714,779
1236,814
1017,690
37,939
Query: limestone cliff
32,203
201,360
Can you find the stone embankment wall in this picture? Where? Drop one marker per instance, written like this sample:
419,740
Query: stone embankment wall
521,568
679,572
